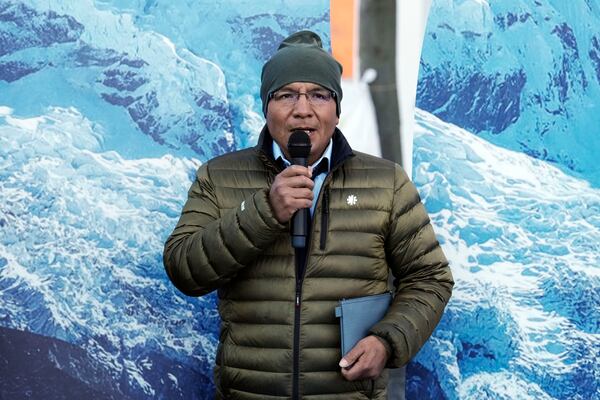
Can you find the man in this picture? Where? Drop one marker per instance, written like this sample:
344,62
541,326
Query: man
279,335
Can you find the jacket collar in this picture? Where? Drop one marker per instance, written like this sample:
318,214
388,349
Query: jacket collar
341,148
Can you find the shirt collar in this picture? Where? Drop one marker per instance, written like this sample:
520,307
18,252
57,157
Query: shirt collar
278,154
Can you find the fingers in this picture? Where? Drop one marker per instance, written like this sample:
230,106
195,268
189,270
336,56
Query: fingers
353,364
291,191
296,170
365,361
352,356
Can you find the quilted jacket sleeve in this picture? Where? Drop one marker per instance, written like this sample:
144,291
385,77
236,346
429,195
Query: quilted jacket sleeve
422,275
209,245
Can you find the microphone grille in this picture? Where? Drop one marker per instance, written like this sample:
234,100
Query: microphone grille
299,144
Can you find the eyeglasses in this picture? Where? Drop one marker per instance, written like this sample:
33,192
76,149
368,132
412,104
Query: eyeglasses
289,98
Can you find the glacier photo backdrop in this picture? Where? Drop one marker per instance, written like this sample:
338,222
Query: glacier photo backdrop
506,159
107,108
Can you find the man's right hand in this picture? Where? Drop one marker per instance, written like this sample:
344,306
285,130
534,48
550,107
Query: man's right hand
291,191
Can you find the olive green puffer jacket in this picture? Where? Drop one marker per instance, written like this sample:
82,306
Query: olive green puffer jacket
279,336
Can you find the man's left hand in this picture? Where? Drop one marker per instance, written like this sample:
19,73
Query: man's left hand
366,360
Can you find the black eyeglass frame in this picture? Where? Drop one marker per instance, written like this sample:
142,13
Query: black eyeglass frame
331,92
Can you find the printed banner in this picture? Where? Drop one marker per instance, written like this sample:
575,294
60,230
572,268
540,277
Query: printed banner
106,110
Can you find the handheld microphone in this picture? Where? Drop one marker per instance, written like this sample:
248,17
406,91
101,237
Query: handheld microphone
299,148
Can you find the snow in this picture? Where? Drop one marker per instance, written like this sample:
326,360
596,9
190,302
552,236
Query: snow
524,75
81,235
106,111
105,117
525,254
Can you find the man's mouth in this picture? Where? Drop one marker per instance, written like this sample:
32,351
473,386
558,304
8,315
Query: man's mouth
308,130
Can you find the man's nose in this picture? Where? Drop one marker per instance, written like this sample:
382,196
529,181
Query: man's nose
303,106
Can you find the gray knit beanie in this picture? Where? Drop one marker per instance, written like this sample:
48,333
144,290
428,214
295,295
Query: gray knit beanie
301,58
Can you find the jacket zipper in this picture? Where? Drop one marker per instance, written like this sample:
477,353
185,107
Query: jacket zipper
300,279
296,355
300,272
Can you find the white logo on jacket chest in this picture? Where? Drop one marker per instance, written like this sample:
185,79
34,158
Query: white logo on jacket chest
352,200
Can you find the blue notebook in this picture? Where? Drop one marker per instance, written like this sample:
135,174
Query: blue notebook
358,315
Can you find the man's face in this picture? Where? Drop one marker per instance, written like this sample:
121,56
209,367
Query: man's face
318,120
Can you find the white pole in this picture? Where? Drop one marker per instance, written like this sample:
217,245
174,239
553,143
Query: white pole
411,20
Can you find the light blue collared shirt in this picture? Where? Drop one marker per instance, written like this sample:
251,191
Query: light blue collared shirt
319,179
